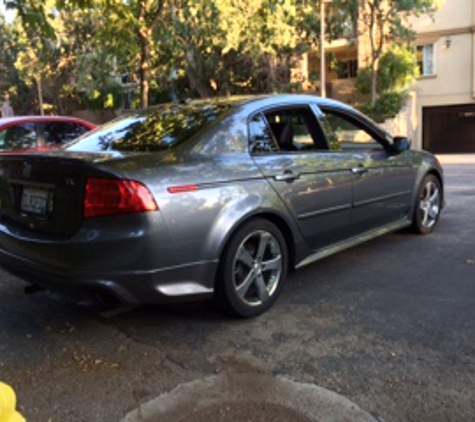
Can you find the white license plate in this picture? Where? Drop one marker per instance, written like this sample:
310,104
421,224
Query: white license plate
34,200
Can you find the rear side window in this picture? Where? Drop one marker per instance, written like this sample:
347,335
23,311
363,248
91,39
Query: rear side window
61,132
262,139
158,129
19,137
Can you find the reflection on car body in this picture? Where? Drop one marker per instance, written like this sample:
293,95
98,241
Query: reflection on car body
214,198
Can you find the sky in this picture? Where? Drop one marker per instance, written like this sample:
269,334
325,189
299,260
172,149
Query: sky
8,14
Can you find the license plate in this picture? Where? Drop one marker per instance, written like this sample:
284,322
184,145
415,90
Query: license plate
34,200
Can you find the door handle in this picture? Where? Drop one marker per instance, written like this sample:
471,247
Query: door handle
287,176
359,170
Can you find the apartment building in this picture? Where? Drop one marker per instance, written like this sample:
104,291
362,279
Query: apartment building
445,92
440,116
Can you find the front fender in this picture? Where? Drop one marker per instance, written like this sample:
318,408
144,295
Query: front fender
429,165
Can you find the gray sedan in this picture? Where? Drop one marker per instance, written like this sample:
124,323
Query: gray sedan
217,198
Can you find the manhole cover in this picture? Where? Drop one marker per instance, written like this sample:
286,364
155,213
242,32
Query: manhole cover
254,412
248,398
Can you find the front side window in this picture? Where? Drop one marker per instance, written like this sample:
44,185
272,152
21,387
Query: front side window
347,134
425,59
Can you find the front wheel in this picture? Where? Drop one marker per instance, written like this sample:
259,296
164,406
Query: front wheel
252,270
428,205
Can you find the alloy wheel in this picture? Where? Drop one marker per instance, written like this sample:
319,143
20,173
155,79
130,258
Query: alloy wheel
257,268
429,204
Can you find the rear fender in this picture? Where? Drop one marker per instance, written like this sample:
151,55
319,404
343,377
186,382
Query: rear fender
244,208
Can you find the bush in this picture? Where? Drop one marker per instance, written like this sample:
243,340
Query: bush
363,81
387,106
397,72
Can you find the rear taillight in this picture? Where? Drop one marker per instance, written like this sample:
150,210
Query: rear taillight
112,197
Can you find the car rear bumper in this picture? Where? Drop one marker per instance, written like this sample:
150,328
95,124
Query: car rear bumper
167,285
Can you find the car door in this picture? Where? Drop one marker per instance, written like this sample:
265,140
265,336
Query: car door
384,180
289,147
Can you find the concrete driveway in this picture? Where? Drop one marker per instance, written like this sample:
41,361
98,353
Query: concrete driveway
385,331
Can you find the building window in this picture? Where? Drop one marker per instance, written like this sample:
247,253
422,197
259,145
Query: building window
425,59
344,69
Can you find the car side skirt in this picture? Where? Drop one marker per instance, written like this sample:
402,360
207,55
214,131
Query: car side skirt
353,241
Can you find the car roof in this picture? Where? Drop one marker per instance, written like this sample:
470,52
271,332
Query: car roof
248,102
39,119
269,99
279,99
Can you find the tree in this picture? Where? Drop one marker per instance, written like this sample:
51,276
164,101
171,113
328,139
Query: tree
7,58
231,46
35,61
382,23
207,47
398,70
137,21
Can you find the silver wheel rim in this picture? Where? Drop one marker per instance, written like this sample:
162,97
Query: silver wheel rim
257,268
429,204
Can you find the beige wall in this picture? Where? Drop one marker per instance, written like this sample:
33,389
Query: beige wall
454,79
451,14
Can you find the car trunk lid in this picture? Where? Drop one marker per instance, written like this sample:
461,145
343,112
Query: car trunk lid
44,194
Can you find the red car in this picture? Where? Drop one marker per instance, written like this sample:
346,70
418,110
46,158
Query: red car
27,132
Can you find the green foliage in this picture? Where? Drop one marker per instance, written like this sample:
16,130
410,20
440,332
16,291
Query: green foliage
396,73
107,97
397,70
175,49
383,23
215,47
363,81
386,106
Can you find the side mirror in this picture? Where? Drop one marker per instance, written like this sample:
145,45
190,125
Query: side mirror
401,144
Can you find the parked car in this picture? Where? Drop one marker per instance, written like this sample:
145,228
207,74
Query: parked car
27,132
213,198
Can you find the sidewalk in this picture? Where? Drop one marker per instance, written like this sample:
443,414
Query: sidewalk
456,158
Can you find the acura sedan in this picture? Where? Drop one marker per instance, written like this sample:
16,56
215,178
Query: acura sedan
210,199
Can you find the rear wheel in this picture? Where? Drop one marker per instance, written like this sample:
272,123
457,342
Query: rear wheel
428,205
252,270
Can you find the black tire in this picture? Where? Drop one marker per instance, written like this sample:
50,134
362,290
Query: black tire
252,269
428,205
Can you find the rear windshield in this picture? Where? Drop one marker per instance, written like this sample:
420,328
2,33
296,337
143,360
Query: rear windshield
157,129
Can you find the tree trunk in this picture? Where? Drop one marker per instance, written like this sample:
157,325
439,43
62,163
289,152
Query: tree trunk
144,34
199,84
40,96
144,74
374,82
271,75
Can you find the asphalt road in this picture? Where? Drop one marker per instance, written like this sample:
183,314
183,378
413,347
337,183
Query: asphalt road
389,326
